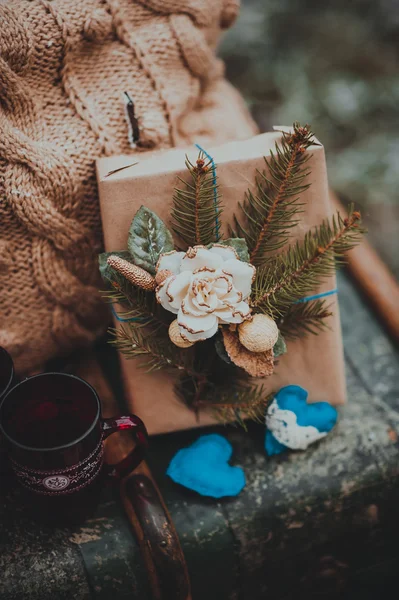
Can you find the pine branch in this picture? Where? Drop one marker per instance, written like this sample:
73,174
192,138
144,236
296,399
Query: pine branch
196,209
304,318
288,277
223,389
235,403
156,351
139,305
270,212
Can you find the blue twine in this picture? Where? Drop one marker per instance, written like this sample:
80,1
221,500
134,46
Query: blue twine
120,319
316,296
215,195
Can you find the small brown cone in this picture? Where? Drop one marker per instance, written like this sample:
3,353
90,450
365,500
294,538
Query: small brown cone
258,334
176,337
132,273
256,364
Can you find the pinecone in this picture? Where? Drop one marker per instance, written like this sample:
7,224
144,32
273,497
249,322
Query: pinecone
132,273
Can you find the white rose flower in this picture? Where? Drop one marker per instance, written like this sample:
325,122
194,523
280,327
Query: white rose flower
206,288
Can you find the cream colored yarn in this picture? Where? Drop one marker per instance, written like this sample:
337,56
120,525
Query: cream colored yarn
64,65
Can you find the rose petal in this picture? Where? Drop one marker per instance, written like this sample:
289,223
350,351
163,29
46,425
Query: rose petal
196,325
226,252
177,288
202,335
162,296
188,307
223,284
237,314
170,261
201,257
205,273
232,298
208,304
213,301
242,274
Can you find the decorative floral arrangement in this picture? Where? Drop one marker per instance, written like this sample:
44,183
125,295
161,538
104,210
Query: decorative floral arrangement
218,311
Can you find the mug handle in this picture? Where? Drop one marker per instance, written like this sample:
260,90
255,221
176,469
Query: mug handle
139,431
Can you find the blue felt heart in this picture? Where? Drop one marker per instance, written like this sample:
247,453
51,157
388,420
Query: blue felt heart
294,424
203,467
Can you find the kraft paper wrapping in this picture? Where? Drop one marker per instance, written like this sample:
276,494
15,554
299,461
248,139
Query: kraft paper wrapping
314,362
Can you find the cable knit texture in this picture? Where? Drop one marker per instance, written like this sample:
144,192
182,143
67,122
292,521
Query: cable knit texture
64,65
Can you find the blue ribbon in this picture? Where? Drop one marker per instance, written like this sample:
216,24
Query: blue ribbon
317,296
120,319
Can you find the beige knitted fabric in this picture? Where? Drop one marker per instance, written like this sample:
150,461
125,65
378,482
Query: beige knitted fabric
64,65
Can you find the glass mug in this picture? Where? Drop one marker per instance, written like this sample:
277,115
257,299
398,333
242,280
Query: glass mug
55,434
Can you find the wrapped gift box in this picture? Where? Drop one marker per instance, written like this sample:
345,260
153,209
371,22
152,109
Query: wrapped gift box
314,362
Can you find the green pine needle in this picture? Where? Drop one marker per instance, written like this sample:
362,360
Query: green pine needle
138,305
196,208
270,212
292,275
156,351
305,318
238,402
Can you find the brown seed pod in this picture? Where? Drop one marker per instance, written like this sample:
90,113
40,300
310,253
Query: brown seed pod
258,334
256,364
132,273
176,337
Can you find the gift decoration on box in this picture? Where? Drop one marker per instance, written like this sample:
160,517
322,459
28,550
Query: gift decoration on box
219,274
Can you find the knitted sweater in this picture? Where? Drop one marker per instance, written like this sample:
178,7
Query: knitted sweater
64,65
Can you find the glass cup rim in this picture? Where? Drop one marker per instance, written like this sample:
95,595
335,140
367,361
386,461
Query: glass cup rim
7,356
53,448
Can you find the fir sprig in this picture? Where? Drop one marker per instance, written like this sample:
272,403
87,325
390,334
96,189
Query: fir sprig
138,305
291,275
156,351
237,402
270,212
196,208
303,318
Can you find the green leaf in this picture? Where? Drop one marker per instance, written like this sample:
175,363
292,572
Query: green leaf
106,271
280,347
148,239
239,245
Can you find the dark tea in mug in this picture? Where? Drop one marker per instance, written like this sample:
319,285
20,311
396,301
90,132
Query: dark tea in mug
55,436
